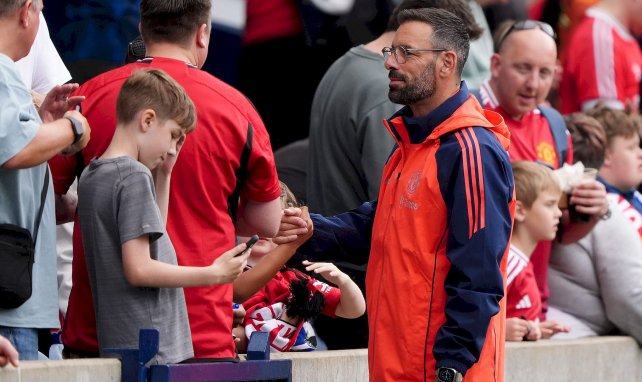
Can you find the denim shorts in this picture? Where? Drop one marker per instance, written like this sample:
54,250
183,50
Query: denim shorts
25,340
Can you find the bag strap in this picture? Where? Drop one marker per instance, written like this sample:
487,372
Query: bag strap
43,196
558,130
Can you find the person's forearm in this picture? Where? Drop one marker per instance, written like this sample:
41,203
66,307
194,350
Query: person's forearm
252,280
258,218
50,139
143,271
156,274
352,304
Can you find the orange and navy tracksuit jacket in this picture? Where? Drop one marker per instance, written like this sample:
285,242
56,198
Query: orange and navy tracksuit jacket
438,238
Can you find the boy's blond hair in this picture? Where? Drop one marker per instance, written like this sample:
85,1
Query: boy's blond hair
531,179
154,89
287,197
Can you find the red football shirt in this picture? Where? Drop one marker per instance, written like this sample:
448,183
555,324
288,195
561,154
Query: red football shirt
602,62
203,179
523,299
531,139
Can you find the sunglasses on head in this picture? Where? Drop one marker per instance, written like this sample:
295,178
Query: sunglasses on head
526,25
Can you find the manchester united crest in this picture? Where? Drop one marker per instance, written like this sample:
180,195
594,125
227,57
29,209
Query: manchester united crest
413,183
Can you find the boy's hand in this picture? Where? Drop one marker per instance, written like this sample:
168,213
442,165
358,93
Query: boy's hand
535,332
226,268
516,329
166,166
238,315
329,272
550,328
292,225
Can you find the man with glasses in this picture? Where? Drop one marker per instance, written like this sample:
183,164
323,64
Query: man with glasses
349,145
603,61
522,72
437,237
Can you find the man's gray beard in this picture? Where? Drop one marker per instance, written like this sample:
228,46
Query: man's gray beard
422,88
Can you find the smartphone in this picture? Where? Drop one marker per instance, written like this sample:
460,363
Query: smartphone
250,243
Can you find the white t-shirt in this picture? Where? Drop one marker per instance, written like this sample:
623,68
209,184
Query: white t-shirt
42,68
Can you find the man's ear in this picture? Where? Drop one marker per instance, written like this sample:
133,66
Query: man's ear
147,118
608,156
24,13
449,63
495,64
520,212
202,36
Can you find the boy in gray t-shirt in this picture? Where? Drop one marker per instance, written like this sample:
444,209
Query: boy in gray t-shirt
135,280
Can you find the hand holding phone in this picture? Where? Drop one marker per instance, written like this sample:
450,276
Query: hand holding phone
249,244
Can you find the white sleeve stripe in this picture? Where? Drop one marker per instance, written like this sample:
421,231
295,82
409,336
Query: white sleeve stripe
514,267
603,52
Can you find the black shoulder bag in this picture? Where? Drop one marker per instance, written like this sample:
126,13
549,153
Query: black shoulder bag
17,249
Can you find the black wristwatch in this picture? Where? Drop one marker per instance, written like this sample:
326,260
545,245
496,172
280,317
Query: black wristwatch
447,374
76,127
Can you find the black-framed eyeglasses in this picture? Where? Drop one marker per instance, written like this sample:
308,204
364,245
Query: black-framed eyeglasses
526,25
401,52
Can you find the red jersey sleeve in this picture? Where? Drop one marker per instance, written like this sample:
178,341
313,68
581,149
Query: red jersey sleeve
262,184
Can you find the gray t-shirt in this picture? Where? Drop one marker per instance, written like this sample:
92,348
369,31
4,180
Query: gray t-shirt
20,200
117,204
349,144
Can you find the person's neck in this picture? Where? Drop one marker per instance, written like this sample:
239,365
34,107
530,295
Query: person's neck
168,50
523,241
11,46
611,180
122,144
442,93
380,42
616,10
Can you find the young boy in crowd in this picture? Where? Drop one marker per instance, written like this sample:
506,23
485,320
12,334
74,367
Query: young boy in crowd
621,172
283,301
122,207
537,217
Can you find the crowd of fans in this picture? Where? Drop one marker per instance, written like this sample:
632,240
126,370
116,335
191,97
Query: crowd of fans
176,170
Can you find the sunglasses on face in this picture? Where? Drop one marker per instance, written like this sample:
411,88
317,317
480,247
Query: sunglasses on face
526,25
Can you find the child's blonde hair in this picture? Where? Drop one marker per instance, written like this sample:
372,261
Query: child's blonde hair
154,89
287,197
531,179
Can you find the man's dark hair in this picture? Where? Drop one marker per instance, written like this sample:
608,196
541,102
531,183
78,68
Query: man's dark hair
448,31
459,8
173,21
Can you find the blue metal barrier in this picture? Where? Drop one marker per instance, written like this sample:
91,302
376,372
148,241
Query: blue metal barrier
258,366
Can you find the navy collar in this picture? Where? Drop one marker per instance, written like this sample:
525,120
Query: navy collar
628,195
419,128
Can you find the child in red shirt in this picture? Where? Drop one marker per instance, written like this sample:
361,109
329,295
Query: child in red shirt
537,217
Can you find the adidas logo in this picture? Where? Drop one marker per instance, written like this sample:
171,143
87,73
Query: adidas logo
524,303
